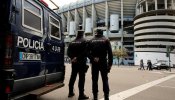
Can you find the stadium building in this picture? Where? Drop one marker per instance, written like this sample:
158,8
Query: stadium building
154,31
144,27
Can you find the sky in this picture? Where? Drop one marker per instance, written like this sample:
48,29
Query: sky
58,2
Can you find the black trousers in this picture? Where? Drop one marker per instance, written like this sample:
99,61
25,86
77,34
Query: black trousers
102,68
77,69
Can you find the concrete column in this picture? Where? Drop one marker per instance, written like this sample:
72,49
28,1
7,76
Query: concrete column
146,4
94,16
68,21
63,22
142,7
122,35
76,20
107,17
140,10
166,6
106,14
155,4
84,18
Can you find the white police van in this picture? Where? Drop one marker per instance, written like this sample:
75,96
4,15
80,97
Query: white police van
31,49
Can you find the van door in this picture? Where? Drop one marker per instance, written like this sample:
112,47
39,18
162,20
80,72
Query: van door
28,51
55,48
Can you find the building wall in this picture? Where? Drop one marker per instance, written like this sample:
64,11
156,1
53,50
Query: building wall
146,27
153,56
99,11
154,30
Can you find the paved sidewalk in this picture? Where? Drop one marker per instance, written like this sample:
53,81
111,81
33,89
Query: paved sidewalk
121,79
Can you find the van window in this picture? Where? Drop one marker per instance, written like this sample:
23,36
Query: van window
32,16
54,27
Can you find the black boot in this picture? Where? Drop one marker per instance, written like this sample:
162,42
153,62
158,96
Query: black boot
71,94
95,96
82,96
106,96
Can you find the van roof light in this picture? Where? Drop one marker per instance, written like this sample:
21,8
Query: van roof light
43,2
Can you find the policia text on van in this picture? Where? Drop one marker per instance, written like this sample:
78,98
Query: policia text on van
31,49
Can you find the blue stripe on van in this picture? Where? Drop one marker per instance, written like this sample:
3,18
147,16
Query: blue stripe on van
20,55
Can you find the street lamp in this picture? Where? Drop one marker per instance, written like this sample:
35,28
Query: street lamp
169,49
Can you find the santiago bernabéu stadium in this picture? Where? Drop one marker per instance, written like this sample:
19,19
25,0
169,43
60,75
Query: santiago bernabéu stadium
146,28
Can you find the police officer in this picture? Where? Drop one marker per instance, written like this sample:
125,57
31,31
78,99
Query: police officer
100,55
77,51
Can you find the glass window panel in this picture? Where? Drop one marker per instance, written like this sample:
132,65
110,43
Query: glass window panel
160,4
34,23
31,7
143,7
54,21
169,4
151,5
54,31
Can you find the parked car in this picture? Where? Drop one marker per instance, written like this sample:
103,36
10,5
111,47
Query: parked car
161,64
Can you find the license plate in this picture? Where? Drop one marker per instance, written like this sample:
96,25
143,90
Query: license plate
29,56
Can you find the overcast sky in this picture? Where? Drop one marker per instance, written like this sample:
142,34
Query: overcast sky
59,2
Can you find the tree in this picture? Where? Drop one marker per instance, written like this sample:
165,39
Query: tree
120,53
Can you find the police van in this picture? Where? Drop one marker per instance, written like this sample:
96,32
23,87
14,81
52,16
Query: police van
31,49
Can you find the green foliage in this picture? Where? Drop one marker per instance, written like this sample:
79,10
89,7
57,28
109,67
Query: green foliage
120,53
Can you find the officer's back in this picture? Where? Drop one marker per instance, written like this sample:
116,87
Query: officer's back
100,54
99,47
77,48
77,51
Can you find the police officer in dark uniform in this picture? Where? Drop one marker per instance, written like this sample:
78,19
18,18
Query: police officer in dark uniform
100,55
77,51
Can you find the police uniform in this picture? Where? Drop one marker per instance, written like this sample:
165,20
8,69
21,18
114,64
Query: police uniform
77,51
100,55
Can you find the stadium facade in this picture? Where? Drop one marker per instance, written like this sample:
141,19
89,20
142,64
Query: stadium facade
132,24
154,30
